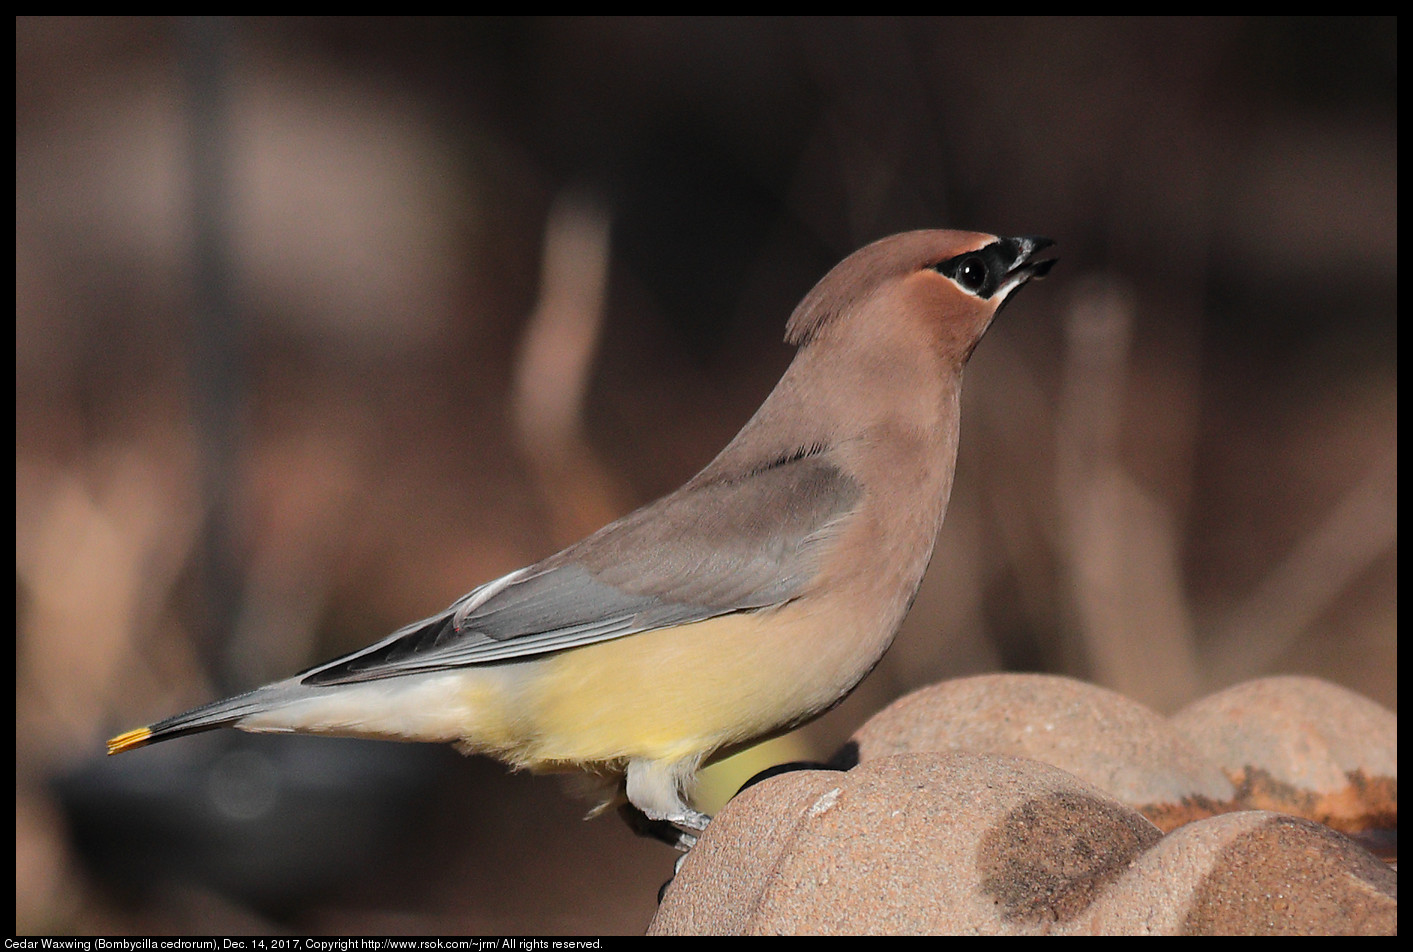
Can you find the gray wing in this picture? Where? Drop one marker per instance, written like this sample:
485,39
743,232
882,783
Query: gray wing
718,545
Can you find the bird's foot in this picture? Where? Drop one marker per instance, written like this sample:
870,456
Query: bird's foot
672,830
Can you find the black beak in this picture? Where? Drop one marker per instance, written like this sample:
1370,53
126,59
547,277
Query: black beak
1022,252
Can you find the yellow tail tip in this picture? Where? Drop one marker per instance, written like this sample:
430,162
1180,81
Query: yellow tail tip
129,740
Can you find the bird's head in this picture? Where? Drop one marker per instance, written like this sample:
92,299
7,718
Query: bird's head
942,287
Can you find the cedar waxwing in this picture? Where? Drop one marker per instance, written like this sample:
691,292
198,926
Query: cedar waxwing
742,605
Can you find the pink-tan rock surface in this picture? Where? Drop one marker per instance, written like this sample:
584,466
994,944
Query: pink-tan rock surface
1100,736
1301,746
954,842
1249,873
1026,804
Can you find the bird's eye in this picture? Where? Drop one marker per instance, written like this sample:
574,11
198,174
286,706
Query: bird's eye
975,272
971,273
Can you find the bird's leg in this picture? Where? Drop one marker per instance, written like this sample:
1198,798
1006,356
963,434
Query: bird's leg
655,807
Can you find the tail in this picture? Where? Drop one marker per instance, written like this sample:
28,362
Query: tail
422,707
208,717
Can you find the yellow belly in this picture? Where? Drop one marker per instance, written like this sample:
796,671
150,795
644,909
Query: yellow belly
665,695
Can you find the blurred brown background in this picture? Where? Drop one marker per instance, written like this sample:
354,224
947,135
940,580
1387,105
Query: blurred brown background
320,323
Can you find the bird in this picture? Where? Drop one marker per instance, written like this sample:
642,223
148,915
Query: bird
736,608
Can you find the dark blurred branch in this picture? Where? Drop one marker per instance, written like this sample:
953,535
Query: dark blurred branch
217,334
